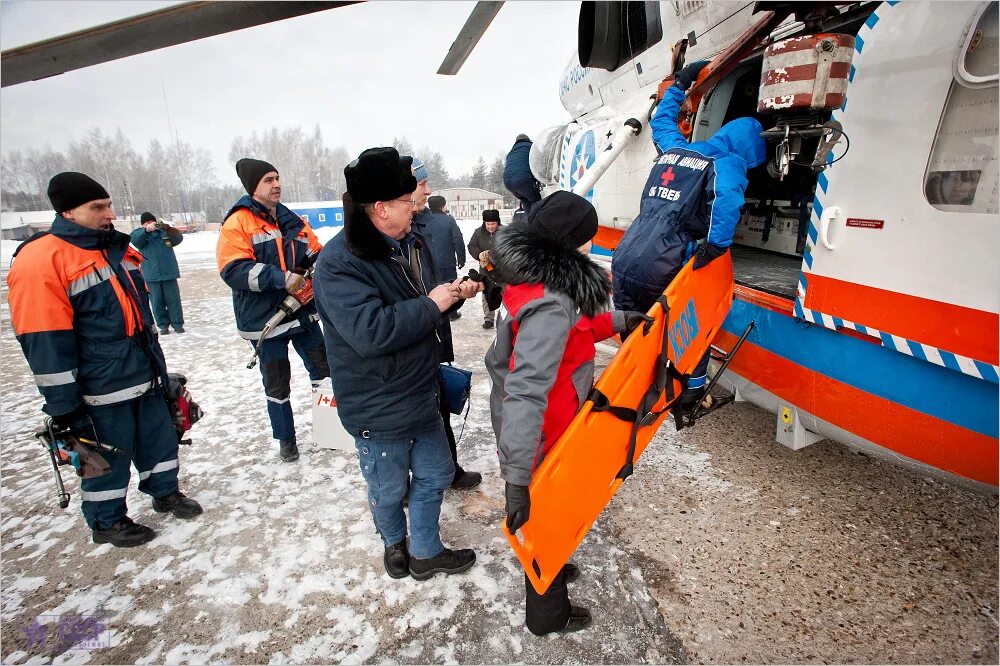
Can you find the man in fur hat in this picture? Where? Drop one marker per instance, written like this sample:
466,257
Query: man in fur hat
542,361
385,323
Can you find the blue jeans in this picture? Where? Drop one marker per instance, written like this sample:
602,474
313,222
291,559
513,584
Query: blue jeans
387,465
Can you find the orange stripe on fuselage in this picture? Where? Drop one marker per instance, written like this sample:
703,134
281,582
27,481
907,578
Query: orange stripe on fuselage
908,432
960,330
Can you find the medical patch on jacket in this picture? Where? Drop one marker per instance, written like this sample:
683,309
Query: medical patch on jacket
673,174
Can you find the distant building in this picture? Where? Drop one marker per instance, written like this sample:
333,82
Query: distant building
320,213
21,225
468,203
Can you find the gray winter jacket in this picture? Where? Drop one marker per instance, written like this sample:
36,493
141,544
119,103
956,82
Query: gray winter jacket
542,360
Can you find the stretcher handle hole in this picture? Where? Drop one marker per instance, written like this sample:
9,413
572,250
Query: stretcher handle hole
536,568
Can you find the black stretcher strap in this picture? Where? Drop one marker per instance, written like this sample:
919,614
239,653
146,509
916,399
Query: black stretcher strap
664,374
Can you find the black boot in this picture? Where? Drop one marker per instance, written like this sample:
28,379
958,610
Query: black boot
124,534
448,561
397,560
579,619
464,480
288,450
571,572
178,504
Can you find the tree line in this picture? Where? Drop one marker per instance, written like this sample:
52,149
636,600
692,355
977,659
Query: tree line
178,178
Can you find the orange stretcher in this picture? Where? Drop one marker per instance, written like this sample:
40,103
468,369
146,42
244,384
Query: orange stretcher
629,402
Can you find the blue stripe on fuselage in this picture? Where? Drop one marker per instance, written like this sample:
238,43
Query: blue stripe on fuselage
920,385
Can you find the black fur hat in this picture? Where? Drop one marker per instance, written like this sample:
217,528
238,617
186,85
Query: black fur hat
70,189
379,174
491,215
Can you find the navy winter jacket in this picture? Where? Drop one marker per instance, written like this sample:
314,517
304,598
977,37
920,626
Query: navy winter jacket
384,336
517,176
441,233
157,248
79,309
694,192
253,254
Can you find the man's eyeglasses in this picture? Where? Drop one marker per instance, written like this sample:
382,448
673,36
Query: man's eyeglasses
408,200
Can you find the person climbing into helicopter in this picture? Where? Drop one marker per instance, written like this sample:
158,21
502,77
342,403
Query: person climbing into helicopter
690,206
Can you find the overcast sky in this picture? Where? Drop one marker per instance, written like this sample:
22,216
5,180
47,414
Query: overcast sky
365,73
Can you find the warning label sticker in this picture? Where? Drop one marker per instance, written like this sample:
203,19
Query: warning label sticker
865,224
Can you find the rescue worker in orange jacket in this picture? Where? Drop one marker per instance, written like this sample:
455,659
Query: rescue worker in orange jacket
263,253
79,309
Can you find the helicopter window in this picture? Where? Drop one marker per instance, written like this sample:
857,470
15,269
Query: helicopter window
544,158
963,170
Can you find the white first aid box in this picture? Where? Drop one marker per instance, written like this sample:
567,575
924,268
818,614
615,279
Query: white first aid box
328,432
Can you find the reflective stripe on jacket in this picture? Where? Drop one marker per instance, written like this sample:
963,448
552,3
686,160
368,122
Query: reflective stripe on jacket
80,311
253,253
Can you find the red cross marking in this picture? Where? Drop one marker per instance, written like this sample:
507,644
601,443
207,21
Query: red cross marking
667,176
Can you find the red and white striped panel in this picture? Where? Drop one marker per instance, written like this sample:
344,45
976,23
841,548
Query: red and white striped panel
808,72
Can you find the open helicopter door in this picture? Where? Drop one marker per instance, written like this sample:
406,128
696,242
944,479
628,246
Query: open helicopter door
902,240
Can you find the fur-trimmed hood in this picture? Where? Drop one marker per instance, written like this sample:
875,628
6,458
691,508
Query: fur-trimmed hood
523,256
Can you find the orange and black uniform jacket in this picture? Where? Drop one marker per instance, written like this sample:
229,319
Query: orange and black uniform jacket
253,254
80,310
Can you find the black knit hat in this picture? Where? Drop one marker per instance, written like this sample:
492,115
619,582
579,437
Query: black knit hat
521,137
565,218
491,215
70,189
250,171
379,174
147,217
436,203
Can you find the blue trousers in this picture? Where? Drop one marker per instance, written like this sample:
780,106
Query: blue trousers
630,296
387,466
143,430
276,373
165,301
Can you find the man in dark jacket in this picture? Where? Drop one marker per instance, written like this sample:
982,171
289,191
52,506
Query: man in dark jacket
441,234
446,242
78,308
156,241
518,179
694,193
386,328
479,247
263,254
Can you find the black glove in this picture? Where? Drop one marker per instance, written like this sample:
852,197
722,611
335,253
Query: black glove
492,292
707,253
633,319
71,420
689,74
518,506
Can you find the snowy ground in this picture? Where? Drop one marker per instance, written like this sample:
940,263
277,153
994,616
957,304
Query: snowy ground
724,547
